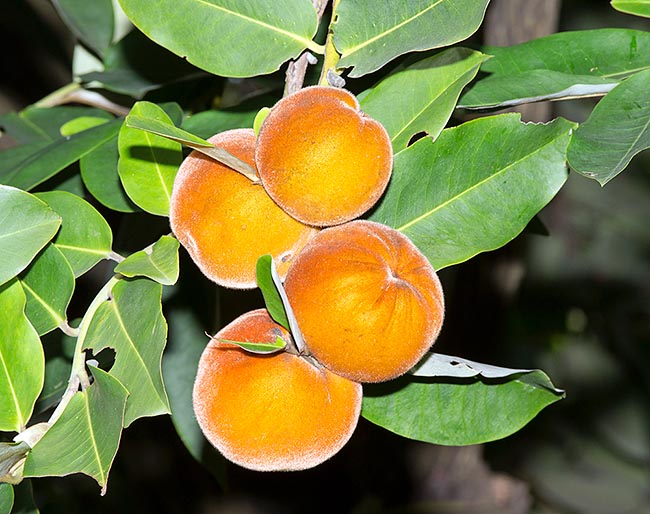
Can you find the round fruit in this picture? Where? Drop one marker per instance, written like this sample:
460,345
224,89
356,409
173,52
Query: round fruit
226,221
275,412
368,303
320,158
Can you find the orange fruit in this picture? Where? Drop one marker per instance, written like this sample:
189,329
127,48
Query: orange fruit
277,412
368,303
225,221
320,158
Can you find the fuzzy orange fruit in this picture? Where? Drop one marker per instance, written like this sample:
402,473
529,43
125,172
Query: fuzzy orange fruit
368,303
275,412
226,221
321,159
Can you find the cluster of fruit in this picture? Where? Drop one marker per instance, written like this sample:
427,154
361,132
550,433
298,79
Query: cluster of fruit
368,304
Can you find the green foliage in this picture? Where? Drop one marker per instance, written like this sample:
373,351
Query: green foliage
637,7
158,262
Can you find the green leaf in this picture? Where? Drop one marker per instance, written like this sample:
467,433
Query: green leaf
86,436
131,323
208,123
259,119
100,176
370,34
92,22
458,412
24,499
80,124
259,348
434,85
22,364
158,262
49,120
476,187
272,298
26,225
85,237
10,455
22,130
566,64
208,33
48,283
617,129
636,7
148,163
6,498
57,155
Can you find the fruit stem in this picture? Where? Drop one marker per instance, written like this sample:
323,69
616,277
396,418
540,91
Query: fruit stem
332,56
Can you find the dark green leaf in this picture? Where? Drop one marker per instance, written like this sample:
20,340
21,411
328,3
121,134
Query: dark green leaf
208,123
131,323
21,129
209,33
272,297
476,187
617,130
636,7
26,225
457,412
86,436
434,85
22,362
6,498
49,120
48,283
370,34
92,22
100,176
566,64
148,163
158,262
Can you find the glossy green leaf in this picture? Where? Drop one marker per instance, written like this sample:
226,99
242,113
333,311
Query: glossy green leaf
158,262
100,176
567,64
135,65
26,225
272,298
49,120
85,237
617,129
22,363
131,323
80,124
636,7
458,412
92,22
370,34
6,498
208,123
476,187
21,130
57,155
148,163
48,283
86,436
434,85
259,348
209,33
24,499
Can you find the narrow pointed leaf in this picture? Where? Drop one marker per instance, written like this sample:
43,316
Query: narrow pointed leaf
476,187
617,129
148,163
370,34
636,7
131,323
434,85
259,348
567,64
22,362
48,283
462,412
86,436
26,225
276,31
272,298
158,262
85,237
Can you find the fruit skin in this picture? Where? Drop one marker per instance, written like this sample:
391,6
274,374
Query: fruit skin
321,159
275,412
367,302
225,221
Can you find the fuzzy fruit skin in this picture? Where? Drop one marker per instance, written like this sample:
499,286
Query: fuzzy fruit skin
367,302
275,412
225,221
321,159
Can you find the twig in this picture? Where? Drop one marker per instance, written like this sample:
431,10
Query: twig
74,93
332,56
